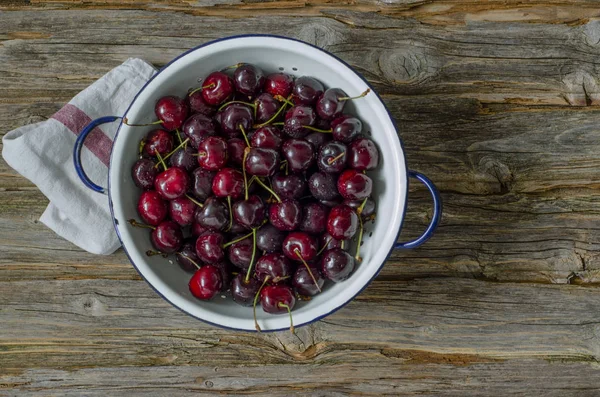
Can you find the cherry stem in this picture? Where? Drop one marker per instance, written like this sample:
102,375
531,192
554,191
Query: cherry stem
361,207
211,85
282,99
135,223
230,214
342,244
141,148
297,252
200,154
237,65
251,181
237,240
160,160
182,144
334,159
324,246
281,304
178,136
348,98
252,105
268,189
189,259
199,204
283,164
278,123
256,300
360,235
152,253
246,184
247,280
273,118
241,127
126,122
308,127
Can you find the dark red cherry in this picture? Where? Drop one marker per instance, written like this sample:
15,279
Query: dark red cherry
206,282
296,119
314,218
300,243
368,209
152,208
240,253
318,139
209,247
290,186
276,299
363,154
323,186
217,88
332,203
186,257
266,107
286,215
327,242
234,118
298,153
202,183
237,228
158,141
143,173
184,159
269,238
228,182
182,210
323,125
249,213
328,105
262,162
172,111
303,282
354,185
332,157
276,266
198,127
235,151
197,229
268,137
225,268
172,183
279,84
214,215
306,90
248,79
197,105
167,237
337,265
244,292
212,153
345,128
342,222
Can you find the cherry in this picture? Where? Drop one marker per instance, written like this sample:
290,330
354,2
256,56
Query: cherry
198,127
323,186
243,292
202,181
300,246
298,153
303,281
206,282
363,154
269,238
167,237
268,137
327,242
286,215
197,229
296,119
266,107
248,79
328,105
249,213
337,264
279,84
184,158
172,111
236,228
332,157
318,139
152,208
228,182
314,218
225,268
277,299
345,128
209,247
332,203
214,215
354,185
212,153
197,105
306,90
187,258
290,186
217,88
368,209
261,162
182,211
158,141
143,173
240,253
235,118
235,150
172,183
276,266
342,222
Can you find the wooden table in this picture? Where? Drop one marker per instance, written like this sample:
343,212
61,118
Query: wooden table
496,101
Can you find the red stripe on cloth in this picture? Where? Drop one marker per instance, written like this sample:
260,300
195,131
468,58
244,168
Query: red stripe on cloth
75,119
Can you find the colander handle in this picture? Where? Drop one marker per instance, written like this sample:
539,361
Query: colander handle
435,218
77,152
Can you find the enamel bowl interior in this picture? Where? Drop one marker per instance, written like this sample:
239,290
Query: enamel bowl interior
271,54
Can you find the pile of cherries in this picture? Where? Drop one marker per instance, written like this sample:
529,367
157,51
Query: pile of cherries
257,183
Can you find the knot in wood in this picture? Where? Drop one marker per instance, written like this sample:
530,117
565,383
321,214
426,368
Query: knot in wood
322,34
407,64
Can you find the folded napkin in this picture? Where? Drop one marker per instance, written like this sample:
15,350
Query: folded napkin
43,153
